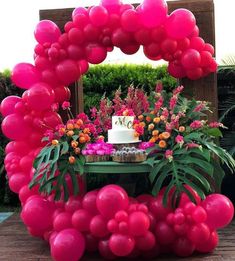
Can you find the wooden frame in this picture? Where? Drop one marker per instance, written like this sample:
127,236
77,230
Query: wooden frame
202,89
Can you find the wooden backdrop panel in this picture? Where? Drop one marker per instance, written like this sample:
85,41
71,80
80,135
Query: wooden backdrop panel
202,89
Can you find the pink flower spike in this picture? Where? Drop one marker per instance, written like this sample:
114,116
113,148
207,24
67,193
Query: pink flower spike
216,124
55,106
179,139
65,105
178,90
158,87
169,155
196,124
192,145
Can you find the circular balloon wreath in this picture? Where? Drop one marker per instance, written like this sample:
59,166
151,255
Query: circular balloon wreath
106,220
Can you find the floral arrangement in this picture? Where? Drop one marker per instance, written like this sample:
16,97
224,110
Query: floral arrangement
181,144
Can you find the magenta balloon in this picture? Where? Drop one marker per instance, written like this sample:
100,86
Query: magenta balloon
68,71
164,233
105,250
191,59
24,75
95,53
79,10
17,181
84,66
121,245
40,96
180,23
176,70
62,221
153,13
26,163
68,245
146,242
14,127
98,16
197,43
98,226
130,20
7,106
139,223
89,202
37,213
113,6
51,119
111,199
46,31
74,203
210,244
183,247
220,210
81,220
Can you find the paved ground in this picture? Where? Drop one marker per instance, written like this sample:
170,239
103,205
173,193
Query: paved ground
17,245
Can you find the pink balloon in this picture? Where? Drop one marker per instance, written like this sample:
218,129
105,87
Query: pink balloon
157,209
209,245
95,53
74,203
113,6
76,36
17,181
98,226
67,71
183,247
24,75
197,43
98,15
40,96
81,220
111,199
164,233
37,213
51,119
120,38
105,250
191,59
62,221
199,233
139,223
130,20
68,245
180,23
92,243
146,242
153,13
84,66
194,74
121,245
7,106
79,10
89,202
25,193
49,76
47,31
14,127
220,210
176,70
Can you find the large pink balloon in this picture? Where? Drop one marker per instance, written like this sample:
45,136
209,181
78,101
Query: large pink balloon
40,96
47,31
113,6
95,53
51,119
37,213
180,23
111,199
121,245
220,210
130,20
17,181
153,13
8,105
24,75
68,245
98,15
191,59
89,202
14,127
139,223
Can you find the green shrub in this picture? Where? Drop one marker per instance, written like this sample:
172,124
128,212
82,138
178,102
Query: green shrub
108,78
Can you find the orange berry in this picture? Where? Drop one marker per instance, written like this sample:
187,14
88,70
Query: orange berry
87,137
72,159
162,144
160,136
82,139
152,112
76,126
54,142
166,135
136,134
151,126
155,132
142,124
148,119
140,117
86,130
74,144
125,113
181,128
156,120
152,140
70,126
77,150
79,122
70,133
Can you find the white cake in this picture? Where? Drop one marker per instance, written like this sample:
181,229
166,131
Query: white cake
122,130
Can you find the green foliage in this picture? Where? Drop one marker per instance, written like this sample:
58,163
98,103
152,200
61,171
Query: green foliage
107,79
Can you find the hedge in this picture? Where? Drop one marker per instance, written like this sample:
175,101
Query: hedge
108,78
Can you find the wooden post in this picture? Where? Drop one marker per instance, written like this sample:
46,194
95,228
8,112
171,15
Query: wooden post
202,89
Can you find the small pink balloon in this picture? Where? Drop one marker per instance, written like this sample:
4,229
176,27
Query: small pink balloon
74,203
62,221
220,210
176,70
68,245
111,199
17,181
24,75
52,119
98,226
47,31
146,242
130,20
84,66
164,233
191,59
81,220
139,223
121,245
210,244
105,250
183,247
95,53
113,6
98,15
7,106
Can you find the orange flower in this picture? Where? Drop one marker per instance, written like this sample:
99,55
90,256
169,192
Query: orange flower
72,159
152,140
142,124
87,137
148,119
79,122
86,131
74,144
151,126
70,133
166,135
101,137
140,117
181,128
155,132
76,126
162,118
82,139
156,120
152,112
54,142
125,113
77,150
162,144
70,126
136,134
160,136
62,130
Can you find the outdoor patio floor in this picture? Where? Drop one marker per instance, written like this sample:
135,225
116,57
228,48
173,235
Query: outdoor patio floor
17,245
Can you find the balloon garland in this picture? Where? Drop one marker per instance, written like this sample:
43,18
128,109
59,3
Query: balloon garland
106,220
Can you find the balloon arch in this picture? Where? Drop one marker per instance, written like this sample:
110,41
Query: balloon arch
60,59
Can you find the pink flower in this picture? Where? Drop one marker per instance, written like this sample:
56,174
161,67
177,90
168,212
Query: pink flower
146,145
216,124
196,124
165,113
49,134
93,112
178,90
158,87
169,155
125,112
159,104
173,102
200,106
55,106
82,116
192,145
179,139
65,105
